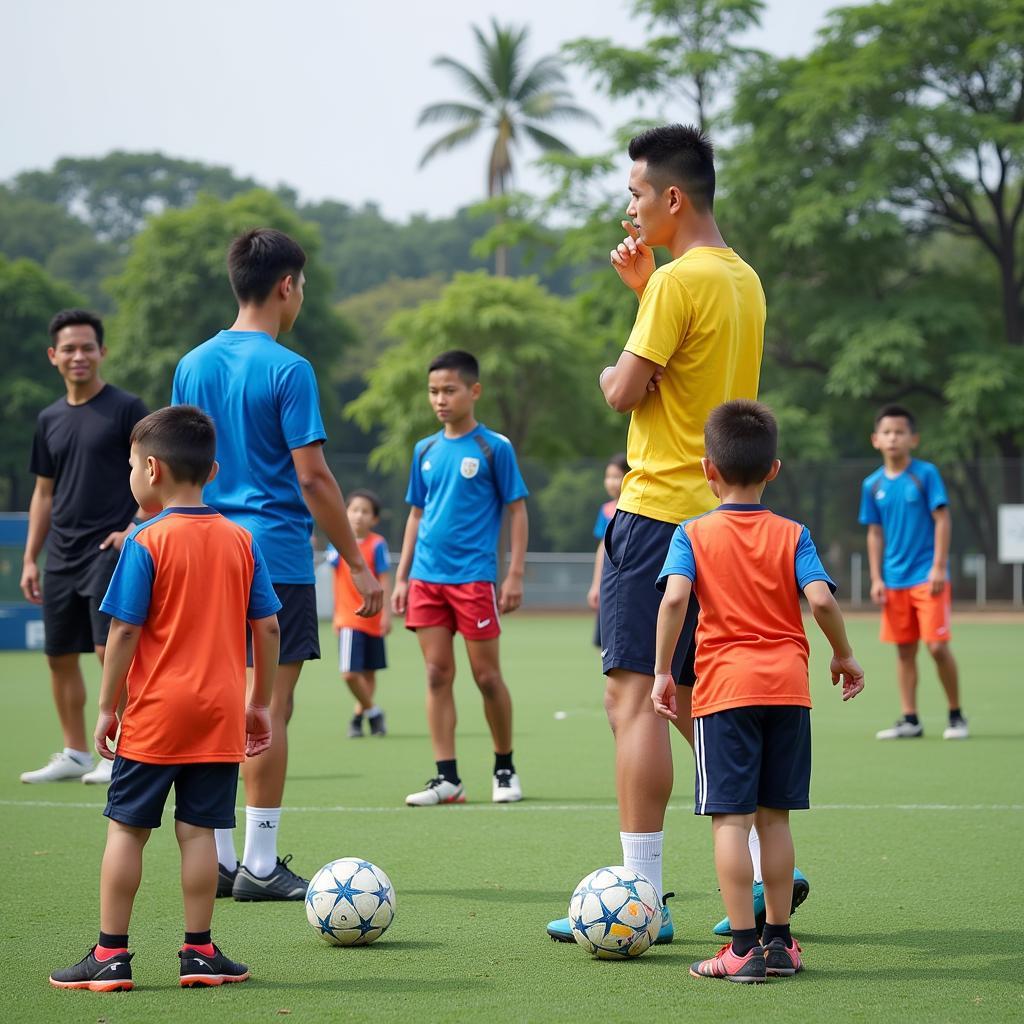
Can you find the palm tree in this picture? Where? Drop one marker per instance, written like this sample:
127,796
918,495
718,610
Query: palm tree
507,98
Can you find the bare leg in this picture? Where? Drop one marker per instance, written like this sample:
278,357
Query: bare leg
264,775
69,699
734,868
362,686
439,661
483,659
906,670
776,863
120,875
683,722
198,874
945,663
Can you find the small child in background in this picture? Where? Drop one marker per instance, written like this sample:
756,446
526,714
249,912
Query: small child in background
614,473
361,652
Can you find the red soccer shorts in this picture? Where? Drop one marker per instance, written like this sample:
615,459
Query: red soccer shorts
915,613
467,608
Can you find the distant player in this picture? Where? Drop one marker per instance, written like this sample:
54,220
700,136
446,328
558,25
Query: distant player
186,583
274,481
461,481
616,469
905,508
361,652
751,700
82,508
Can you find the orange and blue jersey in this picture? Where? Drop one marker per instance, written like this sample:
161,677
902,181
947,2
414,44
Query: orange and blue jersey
374,549
748,567
604,517
191,579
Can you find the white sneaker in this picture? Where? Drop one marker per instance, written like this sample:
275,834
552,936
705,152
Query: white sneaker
100,775
956,730
60,766
902,730
438,791
506,788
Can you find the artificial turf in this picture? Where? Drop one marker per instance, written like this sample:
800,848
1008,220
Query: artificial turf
914,851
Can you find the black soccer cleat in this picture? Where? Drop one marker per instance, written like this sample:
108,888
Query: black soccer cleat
225,881
113,975
378,727
199,970
281,884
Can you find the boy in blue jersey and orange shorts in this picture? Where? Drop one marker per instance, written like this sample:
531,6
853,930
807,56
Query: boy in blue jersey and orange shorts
905,508
461,481
361,651
186,583
614,473
751,701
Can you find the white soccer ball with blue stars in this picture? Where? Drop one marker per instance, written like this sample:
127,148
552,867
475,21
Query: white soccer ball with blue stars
350,902
615,913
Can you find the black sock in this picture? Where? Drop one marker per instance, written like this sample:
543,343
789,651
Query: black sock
448,771
911,719
776,931
955,715
198,938
113,941
503,763
743,940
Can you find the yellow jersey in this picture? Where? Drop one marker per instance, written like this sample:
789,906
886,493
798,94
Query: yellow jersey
701,317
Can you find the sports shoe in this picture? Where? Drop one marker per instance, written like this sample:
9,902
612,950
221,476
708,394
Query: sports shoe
378,727
198,970
956,730
801,889
113,975
100,775
781,960
561,930
438,790
506,789
61,766
281,884
902,730
355,727
225,880
749,969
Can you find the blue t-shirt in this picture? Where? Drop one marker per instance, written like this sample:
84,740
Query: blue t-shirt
903,505
264,402
604,517
462,492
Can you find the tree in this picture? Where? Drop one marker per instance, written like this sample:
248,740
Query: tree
506,99
537,370
174,291
29,297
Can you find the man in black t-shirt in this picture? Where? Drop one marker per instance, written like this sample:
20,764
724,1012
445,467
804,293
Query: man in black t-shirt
82,507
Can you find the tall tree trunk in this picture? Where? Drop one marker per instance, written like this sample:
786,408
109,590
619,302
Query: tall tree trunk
501,260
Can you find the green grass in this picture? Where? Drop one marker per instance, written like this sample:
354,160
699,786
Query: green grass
914,855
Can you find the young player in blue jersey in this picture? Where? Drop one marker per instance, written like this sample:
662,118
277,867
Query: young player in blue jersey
275,482
461,481
904,506
614,472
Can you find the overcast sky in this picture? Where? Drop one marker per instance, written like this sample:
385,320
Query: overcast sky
322,95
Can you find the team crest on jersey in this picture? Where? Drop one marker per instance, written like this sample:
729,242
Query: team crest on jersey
469,468
426,465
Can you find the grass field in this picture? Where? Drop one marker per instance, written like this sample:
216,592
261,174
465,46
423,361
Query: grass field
914,851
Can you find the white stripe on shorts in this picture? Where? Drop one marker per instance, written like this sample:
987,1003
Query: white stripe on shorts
345,650
702,765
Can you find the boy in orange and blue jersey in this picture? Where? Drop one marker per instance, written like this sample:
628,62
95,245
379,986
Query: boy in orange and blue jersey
751,701
185,584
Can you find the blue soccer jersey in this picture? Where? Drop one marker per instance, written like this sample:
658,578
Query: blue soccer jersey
903,505
604,517
462,484
264,401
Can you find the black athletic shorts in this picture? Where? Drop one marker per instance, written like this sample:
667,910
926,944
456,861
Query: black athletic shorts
360,652
635,549
297,619
752,757
204,794
72,620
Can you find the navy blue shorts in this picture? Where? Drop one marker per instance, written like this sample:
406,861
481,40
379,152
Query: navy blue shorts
204,794
299,624
752,757
635,549
360,652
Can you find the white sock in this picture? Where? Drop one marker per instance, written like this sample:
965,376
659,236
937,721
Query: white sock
260,854
754,843
373,712
226,855
641,852
81,756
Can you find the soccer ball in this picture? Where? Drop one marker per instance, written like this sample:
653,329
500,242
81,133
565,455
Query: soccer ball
615,914
350,902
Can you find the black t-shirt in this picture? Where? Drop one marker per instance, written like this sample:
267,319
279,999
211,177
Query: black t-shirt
84,449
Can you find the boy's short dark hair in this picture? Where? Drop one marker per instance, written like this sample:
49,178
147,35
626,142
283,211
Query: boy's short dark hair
366,495
181,436
259,259
463,363
679,154
618,460
892,409
76,318
741,438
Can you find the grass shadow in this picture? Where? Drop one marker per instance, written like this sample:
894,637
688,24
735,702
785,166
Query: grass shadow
491,894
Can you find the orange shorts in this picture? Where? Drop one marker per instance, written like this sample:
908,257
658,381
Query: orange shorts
915,613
